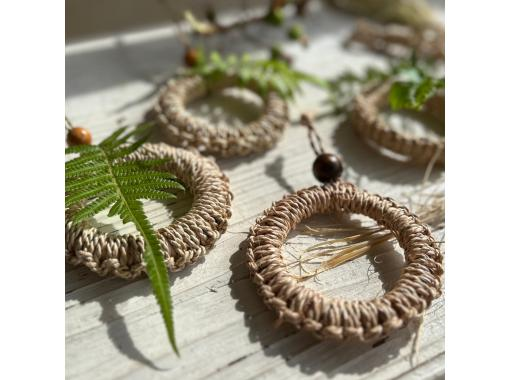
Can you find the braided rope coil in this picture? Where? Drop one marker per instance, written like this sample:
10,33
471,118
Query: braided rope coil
418,285
185,130
368,123
185,240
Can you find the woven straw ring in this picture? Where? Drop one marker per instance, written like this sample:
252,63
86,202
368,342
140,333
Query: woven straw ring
185,240
185,130
371,126
418,285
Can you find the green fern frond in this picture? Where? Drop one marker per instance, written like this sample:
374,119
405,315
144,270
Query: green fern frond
99,179
263,75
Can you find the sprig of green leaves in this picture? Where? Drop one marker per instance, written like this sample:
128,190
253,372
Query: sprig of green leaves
413,90
263,74
412,85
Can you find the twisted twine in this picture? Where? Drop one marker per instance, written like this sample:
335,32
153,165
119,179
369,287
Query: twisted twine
313,136
418,285
183,241
371,126
185,130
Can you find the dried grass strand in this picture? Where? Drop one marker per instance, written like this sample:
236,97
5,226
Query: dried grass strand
419,283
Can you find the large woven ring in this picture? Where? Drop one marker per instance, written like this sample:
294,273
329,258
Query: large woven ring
371,126
185,130
418,285
185,240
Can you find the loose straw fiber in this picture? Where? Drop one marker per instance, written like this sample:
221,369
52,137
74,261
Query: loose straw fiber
418,285
185,130
183,241
367,121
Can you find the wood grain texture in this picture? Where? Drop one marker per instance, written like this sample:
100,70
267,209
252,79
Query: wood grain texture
113,327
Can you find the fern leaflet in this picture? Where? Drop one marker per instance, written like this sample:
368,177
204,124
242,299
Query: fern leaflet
98,179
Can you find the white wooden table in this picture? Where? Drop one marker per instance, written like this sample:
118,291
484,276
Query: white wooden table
224,331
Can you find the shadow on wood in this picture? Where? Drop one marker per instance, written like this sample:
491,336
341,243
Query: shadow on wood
371,161
85,286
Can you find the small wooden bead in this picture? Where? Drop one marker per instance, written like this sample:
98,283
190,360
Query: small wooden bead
79,136
191,57
327,167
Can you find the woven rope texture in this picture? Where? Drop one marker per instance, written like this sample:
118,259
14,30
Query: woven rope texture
396,40
185,130
367,121
183,241
418,285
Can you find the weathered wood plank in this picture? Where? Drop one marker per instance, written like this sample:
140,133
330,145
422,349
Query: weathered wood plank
113,327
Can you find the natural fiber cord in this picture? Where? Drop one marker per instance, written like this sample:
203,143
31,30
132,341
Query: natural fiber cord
366,120
183,241
185,130
418,285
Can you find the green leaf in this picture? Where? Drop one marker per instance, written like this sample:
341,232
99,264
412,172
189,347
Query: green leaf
94,208
99,178
413,95
81,149
110,140
412,85
158,275
402,95
275,17
295,32
264,75
82,183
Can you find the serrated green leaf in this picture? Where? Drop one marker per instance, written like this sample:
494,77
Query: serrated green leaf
84,194
98,168
110,140
158,275
100,178
94,208
264,75
82,183
81,149
154,195
402,95
124,151
412,85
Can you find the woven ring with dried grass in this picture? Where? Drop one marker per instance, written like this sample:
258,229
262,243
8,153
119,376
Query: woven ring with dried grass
326,317
183,241
186,130
368,123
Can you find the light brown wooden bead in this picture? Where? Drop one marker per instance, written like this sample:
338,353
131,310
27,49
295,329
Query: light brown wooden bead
79,136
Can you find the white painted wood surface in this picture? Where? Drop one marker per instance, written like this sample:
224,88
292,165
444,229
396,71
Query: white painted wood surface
113,327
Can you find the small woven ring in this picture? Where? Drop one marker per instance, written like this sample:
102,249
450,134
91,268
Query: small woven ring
372,127
185,130
183,241
418,285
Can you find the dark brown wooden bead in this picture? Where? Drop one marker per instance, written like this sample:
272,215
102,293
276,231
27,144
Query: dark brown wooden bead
191,57
327,167
79,136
